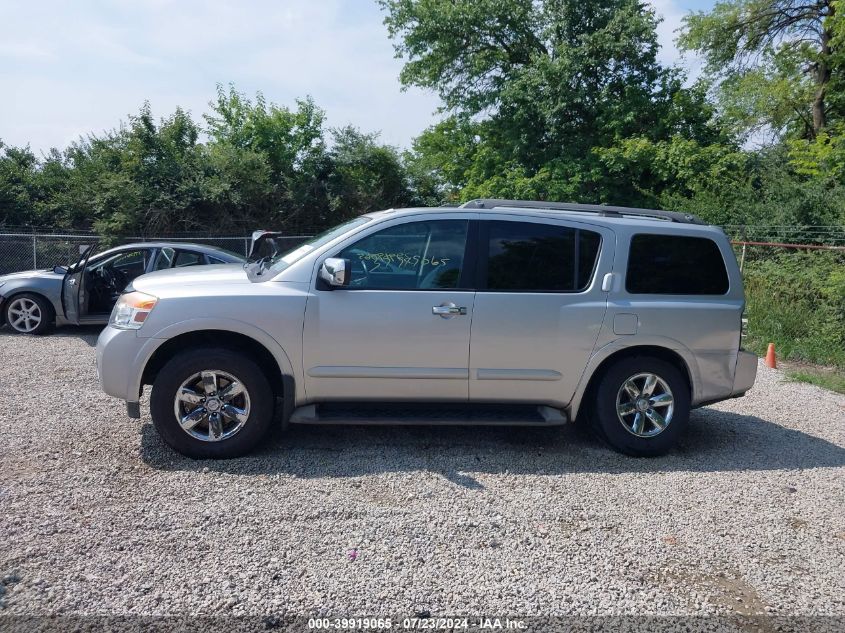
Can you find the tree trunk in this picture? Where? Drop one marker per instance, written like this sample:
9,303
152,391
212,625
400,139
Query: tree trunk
819,116
822,77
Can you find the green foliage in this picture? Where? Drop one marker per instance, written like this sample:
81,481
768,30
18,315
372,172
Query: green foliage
262,165
797,301
832,379
821,158
537,92
367,176
774,62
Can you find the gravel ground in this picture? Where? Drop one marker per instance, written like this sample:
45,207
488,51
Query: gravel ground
98,516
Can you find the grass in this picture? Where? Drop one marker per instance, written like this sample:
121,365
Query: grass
800,370
797,302
828,378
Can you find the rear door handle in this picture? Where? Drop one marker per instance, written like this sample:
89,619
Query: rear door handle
448,310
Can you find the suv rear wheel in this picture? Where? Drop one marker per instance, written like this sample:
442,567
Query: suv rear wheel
642,406
211,403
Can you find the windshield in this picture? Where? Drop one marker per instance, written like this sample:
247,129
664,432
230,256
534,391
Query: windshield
276,264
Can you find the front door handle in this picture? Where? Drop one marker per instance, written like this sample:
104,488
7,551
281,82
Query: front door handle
448,310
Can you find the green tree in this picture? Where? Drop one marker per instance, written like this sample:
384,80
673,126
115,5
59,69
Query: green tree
534,86
365,176
775,61
292,144
18,188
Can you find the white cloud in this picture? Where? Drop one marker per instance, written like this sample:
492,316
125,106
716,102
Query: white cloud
70,68
667,32
85,66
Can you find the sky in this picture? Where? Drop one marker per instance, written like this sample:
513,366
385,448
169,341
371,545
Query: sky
70,68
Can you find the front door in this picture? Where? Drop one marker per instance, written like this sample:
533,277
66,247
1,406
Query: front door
73,288
539,308
400,330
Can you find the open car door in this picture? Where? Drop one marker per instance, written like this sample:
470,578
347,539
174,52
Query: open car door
73,287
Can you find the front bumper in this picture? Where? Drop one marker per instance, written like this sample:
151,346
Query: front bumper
117,351
745,373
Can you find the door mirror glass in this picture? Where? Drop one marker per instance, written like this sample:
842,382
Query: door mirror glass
335,272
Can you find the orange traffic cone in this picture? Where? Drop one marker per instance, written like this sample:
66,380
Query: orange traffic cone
771,357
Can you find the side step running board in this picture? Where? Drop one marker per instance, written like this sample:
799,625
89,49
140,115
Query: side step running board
445,414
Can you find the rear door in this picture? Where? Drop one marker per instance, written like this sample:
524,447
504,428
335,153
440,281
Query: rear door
539,307
73,288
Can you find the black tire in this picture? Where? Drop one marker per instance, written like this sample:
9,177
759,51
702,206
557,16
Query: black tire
185,365
610,427
45,312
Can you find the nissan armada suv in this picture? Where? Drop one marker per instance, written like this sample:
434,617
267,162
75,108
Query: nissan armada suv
496,312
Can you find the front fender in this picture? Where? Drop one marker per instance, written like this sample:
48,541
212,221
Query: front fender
627,343
46,288
199,324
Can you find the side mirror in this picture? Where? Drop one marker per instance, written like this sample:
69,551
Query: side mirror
335,272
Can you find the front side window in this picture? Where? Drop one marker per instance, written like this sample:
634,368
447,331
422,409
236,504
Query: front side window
675,265
413,256
532,257
129,264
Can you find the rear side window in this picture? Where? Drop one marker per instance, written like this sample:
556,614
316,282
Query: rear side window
675,265
532,257
187,258
165,258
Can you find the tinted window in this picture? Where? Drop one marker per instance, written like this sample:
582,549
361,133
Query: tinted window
164,259
540,257
675,265
187,258
417,255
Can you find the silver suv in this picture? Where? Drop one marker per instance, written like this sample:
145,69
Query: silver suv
497,312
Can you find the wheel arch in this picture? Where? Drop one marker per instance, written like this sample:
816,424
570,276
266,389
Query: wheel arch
280,377
599,365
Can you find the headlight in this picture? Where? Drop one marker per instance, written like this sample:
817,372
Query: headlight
132,309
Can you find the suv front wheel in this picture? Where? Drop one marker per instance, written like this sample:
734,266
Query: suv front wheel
641,406
211,403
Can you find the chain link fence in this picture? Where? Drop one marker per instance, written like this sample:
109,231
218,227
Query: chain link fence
29,251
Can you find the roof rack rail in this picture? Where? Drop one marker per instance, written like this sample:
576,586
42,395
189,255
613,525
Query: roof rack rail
599,209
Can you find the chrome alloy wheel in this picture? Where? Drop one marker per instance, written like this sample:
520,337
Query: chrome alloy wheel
644,405
24,315
211,405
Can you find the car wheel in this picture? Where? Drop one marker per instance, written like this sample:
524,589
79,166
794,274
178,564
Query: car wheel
642,406
211,403
29,314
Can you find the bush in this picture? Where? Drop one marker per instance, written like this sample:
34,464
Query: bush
797,302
